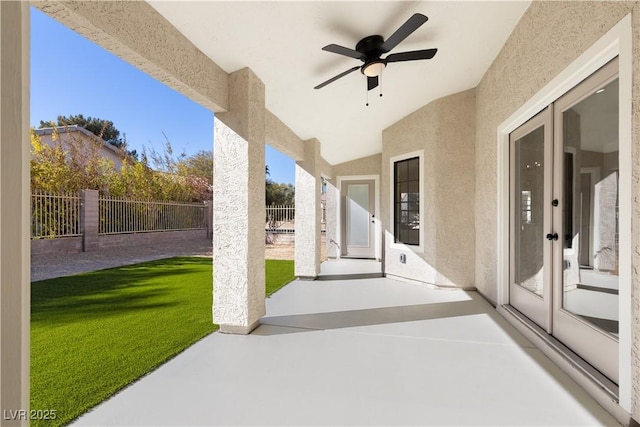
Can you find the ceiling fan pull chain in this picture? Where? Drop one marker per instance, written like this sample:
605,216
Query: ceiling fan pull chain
380,84
367,91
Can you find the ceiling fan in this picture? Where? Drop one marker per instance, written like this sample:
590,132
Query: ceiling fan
370,48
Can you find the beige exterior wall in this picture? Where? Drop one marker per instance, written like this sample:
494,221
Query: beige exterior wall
371,165
548,38
280,137
444,129
366,166
81,139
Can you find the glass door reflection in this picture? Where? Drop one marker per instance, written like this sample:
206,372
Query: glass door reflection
529,191
590,209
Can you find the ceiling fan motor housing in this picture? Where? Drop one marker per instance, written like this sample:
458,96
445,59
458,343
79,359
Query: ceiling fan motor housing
371,47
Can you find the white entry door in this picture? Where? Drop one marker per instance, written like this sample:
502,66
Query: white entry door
358,218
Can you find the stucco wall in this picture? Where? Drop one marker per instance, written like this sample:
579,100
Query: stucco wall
308,212
444,129
370,165
547,39
635,221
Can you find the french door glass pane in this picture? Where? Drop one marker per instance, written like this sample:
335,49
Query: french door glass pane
590,208
528,196
358,211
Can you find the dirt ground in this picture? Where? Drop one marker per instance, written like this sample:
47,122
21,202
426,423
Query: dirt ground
279,251
64,264
287,250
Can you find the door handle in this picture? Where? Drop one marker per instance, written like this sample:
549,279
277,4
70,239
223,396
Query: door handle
553,236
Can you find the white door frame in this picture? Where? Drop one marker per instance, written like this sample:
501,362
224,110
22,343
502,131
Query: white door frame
616,42
377,224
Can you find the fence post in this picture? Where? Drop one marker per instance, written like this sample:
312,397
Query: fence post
209,213
89,218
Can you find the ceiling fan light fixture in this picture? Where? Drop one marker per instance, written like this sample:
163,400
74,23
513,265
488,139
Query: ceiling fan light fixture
369,49
374,69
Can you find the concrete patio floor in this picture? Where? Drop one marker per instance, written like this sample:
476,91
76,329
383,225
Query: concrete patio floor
368,351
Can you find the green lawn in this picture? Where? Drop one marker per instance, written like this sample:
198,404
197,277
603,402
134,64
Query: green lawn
278,274
94,333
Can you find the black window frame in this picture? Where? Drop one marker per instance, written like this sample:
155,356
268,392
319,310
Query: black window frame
406,201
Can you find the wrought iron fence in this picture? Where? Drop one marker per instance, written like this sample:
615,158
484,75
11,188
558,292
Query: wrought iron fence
280,219
58,215
118,215
55,215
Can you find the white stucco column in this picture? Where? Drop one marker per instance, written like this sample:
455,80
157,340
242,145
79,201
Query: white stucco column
14,212
331,232
239,207
308,212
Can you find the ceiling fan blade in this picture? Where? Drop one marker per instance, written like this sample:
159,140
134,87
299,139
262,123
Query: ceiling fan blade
404,31
372,83
341,50
414,55
333,79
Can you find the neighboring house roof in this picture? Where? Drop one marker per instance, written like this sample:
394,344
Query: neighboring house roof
77,128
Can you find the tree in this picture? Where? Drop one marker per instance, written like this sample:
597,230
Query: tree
279,193
198,165
165,176
73,163
101,128
70,164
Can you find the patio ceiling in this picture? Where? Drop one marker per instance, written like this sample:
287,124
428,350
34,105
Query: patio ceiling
281,42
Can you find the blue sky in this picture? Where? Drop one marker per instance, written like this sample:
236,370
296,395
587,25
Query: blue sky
71,75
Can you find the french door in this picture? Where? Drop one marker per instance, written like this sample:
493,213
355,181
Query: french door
564,222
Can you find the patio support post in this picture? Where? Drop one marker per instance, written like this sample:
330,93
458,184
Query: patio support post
308,212
239,207
15,218
331,228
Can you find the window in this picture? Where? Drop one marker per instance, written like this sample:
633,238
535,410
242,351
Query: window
406,201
